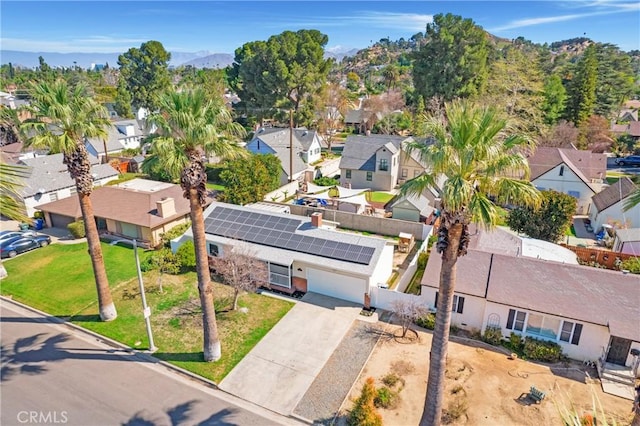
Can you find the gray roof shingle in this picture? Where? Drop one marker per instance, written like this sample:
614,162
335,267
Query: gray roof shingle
613,193
360,151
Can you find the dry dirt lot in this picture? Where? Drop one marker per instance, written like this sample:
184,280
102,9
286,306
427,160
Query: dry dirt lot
484,386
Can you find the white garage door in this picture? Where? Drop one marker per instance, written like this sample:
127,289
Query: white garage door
336,285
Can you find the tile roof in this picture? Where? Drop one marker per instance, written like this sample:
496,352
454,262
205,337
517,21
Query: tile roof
614,193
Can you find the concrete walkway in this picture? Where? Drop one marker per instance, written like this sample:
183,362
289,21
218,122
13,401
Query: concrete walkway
279,370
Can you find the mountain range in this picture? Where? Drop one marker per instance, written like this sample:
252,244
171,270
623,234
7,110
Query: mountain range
201,59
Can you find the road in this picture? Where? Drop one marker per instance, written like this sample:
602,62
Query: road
54,374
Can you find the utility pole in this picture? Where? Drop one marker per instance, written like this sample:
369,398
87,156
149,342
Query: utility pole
290,145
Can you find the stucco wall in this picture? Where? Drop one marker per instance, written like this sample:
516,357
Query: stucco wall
614,215
569,181
379,182
472,313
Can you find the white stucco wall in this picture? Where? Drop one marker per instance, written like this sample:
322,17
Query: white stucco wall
384,267
569,181
614,214
472,313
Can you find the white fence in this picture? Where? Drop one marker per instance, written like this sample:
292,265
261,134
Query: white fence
405,279
382,298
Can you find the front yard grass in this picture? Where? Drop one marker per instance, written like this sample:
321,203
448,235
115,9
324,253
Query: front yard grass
58,280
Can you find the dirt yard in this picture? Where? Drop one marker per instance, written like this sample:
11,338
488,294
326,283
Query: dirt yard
484,386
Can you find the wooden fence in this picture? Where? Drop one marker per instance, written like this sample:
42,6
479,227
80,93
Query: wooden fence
606,258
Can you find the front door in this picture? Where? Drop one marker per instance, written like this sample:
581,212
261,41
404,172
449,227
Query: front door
618,350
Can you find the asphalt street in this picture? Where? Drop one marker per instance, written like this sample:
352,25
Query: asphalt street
53,374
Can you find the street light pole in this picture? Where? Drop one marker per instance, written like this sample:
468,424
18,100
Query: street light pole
145,309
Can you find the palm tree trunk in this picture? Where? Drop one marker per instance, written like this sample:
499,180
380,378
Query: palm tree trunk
105,302
212,350
432,412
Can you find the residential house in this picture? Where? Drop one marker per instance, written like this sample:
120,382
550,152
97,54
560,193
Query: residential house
378,162
140,208
627,241
571,171
591,313
49,180
361,120
414,208
122,134
627,121
608,206
103,148
278,141
301,253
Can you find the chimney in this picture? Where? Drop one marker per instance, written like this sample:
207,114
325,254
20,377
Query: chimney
316,219
166,207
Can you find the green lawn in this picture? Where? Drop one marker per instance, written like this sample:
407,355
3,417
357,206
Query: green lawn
612,177
58,280
215,187
380,197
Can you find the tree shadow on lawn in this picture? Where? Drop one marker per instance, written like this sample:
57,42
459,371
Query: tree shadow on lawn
180,356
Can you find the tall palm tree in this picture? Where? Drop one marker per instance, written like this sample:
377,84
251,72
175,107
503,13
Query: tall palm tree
62,118
11,205
632,201
475,151
190,126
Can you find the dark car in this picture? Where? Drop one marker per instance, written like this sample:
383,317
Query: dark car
6,235
631,160
14,246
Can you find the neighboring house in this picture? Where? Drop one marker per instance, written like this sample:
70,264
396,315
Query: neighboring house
302,255
627,121
122,134
361,120
378,162
591,313
139,208
109,146
414,208
49,180
609,203
627,241
278,141
571,171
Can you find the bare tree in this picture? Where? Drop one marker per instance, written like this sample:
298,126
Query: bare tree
240,269
562,135
407,311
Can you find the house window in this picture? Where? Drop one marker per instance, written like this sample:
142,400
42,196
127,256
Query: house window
571,332
384,165
279,275
405,173
53,196
369,176
348,174
561,170
574,194
458,303
515,320
214,250
543,326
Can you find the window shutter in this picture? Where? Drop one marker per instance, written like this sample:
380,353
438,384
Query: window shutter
576,334
512,314
460,304
435,304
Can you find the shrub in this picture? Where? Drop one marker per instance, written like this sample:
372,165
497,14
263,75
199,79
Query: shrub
428,321
326,181
77,229
38,215
492,335
174,232
391,379
386,398
364,412
186,255
454,411
423,258
542,350
516,341
632,265
213,172
163,260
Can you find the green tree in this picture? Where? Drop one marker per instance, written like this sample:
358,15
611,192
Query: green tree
615,79
62,118
555,96
582,88
145,73
190,126
477,153
123,100
547,222
249,180
282,72
453,61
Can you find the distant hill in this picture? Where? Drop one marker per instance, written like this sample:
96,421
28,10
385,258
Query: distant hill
217,60
338,53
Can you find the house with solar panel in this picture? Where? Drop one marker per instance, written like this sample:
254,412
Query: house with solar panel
302,255
306,146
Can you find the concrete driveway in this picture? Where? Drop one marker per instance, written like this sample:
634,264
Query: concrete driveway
279,370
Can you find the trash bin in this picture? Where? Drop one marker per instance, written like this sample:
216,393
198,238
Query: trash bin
38,224
24,226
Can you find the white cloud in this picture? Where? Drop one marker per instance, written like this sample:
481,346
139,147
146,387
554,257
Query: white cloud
388,20
91,44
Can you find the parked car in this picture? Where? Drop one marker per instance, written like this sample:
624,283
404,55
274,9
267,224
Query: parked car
16,245
5,235
630,160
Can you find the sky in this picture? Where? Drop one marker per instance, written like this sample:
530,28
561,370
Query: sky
223,26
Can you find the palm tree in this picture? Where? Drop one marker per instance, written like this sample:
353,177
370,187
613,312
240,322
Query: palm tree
632,201
62,119
190,126
473,149
10,196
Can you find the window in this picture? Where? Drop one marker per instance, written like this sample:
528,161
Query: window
574,194
53,196
369,176
348,174
384,165
543,326
570,332
561,170
405,173
279,275
214,250
515,320
458,303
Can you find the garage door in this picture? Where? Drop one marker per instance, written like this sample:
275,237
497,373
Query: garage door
336,285
60,221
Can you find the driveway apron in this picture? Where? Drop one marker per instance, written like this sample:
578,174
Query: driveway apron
279,370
